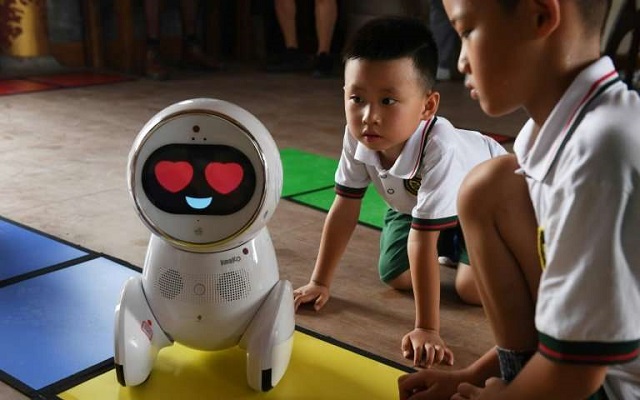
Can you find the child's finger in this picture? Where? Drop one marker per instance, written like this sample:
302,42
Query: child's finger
418,353
302,298
320,302
406,347
467,390
429,355
439,354
448,356
296,302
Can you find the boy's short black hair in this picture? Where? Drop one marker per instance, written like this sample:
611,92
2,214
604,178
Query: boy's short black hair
594,12
392,38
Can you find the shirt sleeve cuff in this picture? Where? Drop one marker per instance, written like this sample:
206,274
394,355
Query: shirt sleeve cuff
434,224
588,352
352,193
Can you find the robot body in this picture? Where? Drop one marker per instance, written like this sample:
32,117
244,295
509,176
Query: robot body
189,291
205,177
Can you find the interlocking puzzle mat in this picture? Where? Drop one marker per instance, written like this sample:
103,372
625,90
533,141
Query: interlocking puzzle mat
24,251
319,369
56,334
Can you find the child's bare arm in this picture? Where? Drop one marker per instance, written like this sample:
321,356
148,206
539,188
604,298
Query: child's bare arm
338,228
423,343
541,379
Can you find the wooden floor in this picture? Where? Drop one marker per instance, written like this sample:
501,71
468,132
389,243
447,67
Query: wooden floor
63,157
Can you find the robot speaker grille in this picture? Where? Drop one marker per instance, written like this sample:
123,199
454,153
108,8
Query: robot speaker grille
170,284
233,285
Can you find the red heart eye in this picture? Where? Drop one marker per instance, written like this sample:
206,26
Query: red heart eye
173,176
224,177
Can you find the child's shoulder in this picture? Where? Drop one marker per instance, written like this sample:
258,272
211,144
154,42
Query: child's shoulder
447,138
605,144
616,110
612,122
444,127
451,149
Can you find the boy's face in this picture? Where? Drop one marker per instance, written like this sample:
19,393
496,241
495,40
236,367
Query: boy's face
384,102
494,53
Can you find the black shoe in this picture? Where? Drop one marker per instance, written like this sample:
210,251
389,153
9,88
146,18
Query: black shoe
153,67
194,56
292,60
323,66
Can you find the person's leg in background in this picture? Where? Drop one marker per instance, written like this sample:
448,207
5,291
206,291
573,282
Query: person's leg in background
292,59
326,14
446,39
193,53
153,68
286,14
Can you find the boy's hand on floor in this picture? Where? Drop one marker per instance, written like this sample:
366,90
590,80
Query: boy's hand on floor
310,292
492,388
431,384
426,347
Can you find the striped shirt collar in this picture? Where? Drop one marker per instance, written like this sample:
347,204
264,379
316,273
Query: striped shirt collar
408,163
537,157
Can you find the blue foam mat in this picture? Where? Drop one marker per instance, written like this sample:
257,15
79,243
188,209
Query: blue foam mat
60,323
24,251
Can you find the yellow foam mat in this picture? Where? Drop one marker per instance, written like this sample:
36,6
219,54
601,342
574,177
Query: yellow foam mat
317,370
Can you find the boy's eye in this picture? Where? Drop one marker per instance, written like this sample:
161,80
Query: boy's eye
387,101
355,99
465,33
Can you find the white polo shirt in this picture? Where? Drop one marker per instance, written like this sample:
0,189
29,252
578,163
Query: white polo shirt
583,172
424,180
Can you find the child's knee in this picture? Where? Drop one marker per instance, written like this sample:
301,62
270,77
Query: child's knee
466,286
400,282
482,184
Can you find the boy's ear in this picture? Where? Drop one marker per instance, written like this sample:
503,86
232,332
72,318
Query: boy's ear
431,103
546,14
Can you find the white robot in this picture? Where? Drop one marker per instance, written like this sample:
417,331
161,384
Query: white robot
205,176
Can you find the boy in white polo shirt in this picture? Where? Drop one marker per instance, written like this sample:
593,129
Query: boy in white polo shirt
415,160
558,270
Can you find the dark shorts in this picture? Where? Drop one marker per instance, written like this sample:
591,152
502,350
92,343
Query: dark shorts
394,259
599,395
512,362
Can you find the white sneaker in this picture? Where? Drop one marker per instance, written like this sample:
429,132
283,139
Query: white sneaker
447,261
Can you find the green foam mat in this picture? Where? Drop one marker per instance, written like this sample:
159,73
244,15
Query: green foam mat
309,180
371,213
305,172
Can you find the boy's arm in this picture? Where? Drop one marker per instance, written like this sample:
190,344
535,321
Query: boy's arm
338,228
424,344
542,378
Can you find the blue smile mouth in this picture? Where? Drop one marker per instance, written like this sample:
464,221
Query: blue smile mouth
198,202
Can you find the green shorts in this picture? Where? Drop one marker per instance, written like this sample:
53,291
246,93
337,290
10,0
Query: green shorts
394,259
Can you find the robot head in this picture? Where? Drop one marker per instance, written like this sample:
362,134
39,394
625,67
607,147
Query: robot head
205,175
